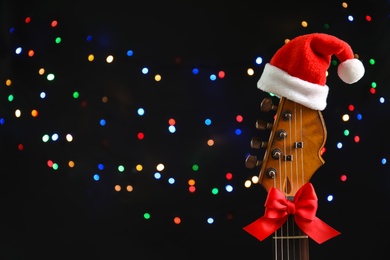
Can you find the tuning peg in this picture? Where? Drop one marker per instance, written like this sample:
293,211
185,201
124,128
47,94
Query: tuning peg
263,125
257,143
267,105
252,162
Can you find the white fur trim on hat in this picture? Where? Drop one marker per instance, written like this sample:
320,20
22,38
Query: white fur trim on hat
280,83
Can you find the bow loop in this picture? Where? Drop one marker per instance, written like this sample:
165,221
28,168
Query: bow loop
275,205
307,202
303,207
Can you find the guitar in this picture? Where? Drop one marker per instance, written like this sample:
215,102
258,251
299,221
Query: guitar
292,156
297,75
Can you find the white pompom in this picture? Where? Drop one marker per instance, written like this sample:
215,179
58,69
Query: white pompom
350,71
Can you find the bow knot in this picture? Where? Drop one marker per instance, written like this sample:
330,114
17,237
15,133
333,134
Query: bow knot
303,207
290,208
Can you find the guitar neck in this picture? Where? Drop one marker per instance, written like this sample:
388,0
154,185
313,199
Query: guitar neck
289,242
292,156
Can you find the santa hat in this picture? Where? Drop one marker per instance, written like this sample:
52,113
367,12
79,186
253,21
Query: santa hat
297,71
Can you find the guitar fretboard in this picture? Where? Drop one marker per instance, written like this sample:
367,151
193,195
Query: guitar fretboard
289,242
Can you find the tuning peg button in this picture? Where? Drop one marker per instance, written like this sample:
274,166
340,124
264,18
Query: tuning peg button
276,153
271,172
281,134
263,125
266,105
257,143
252,162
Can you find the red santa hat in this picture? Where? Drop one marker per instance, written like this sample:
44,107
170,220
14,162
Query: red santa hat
297,71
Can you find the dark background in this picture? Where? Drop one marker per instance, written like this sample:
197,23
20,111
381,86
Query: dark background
65,213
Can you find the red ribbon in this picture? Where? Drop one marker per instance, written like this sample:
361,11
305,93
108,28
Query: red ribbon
304,208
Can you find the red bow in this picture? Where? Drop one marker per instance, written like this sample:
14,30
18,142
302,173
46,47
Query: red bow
303,208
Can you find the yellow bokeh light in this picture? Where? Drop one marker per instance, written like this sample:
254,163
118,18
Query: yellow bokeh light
110,59
8,82
91,57
71,164
139,167
255,179
69,137
345,117
191,182
160,167
34,113
247,183
250,71
18,113
41,71
304,24
157,77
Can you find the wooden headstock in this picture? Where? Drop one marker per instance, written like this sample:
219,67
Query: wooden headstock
294,148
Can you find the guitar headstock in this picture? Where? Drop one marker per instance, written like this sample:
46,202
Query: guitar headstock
294,148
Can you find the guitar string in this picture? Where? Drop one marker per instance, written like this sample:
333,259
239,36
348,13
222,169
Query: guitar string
276,231
291,124
299,174
300,179
302,161
293,163
299,139
291,120
290,173
284,230
282,187
297,162
281,229
287,183
279,234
